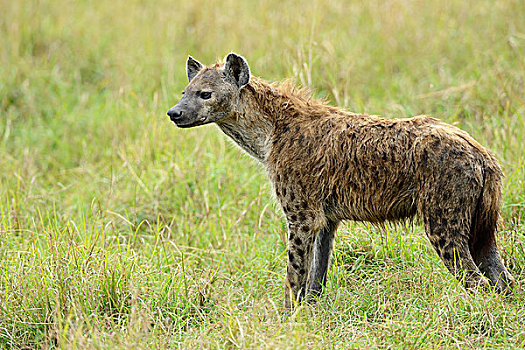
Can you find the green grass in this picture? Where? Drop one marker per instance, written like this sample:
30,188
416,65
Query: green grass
118,230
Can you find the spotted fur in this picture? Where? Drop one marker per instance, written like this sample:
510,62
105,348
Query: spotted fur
328,165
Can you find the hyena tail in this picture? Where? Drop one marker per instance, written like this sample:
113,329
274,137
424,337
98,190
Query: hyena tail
483,230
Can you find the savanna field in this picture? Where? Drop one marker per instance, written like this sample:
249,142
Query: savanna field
119,230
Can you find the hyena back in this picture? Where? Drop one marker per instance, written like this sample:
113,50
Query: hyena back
329,165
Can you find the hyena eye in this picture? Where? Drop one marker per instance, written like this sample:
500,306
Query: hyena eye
205,95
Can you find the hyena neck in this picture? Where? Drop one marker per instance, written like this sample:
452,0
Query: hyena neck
251,138
262,108
251,126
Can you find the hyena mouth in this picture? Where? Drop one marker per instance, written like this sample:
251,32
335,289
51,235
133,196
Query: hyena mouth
200,121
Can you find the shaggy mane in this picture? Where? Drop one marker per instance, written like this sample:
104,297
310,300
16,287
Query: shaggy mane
288,96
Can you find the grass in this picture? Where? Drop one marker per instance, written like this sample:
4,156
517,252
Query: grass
118,230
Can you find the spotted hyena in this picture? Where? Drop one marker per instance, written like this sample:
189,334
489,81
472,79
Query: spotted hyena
328,165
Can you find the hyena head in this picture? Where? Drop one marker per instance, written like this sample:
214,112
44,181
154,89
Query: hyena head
212,93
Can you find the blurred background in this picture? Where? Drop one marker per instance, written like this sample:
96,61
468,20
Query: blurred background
90,165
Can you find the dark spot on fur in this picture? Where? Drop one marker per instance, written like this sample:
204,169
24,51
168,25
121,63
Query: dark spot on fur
295,267
284,191
292,196
305,228
293,217
302,271
300,252
236,135
304,204
290,256
298,241
302,216
277,193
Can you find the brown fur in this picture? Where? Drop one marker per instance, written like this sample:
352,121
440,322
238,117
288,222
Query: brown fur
328,165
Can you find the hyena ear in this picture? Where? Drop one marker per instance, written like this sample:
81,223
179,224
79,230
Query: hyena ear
192,68
237,67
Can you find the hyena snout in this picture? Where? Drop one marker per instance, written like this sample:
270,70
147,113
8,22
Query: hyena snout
175,113
186,116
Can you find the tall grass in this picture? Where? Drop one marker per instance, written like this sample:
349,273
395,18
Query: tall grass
119,230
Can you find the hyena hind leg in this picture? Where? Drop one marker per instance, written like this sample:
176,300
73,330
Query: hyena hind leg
487,258
449,238
458,260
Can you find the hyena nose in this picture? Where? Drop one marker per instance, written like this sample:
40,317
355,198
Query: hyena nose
174,114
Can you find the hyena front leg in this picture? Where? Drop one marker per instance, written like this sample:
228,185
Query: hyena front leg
301,235
322,251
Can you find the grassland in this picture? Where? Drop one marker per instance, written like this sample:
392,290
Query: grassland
118,230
